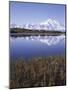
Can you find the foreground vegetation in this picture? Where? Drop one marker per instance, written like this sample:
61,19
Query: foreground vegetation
38,72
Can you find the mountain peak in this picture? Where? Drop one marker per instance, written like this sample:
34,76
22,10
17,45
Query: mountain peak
49,24
53,24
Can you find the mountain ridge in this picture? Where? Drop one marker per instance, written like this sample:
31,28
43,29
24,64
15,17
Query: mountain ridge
49,24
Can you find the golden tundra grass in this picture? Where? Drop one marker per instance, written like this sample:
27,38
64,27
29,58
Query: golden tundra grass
38,72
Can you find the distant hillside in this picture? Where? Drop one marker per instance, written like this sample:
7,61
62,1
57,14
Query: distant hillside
31,32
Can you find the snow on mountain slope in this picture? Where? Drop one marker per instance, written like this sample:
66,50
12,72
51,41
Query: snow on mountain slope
50,24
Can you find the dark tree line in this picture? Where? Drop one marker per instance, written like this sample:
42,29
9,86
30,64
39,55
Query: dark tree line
22,30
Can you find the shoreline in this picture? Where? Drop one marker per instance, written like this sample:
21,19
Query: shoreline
35,34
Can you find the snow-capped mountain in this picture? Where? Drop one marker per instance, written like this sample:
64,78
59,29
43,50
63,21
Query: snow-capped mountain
50,24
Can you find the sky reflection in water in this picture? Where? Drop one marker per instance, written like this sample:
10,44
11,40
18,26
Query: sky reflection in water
36,46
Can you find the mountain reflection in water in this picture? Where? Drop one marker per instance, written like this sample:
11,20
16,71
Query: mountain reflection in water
36,46
49,40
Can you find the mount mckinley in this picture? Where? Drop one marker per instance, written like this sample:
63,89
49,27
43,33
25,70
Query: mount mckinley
50,24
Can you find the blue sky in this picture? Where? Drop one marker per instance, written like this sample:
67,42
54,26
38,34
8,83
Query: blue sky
23,13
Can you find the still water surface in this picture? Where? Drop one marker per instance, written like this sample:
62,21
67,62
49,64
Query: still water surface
36,46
